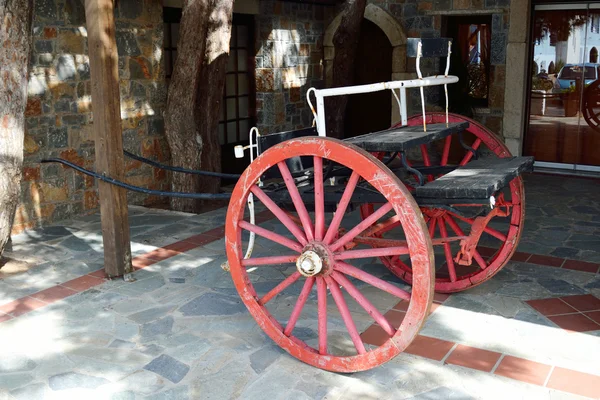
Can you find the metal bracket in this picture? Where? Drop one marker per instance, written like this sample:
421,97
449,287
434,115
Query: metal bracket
468,245
467,147
418,173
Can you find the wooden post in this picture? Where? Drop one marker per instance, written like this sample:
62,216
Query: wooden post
102,49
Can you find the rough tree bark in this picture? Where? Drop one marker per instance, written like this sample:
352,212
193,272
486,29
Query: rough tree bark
15,43
195,96
345,42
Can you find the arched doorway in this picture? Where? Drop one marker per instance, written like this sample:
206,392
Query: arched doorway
396,36
370,112
551,67
594,55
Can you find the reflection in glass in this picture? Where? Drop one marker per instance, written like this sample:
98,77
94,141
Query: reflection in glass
565,92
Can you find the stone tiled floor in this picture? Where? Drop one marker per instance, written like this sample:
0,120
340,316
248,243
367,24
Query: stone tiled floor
563,217
180,331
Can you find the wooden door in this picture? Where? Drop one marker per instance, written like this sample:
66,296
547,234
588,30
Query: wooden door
370,112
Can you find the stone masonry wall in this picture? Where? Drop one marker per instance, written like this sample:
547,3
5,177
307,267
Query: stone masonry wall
289,60
59,118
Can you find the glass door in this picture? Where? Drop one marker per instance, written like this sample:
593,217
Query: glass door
564,114
589,132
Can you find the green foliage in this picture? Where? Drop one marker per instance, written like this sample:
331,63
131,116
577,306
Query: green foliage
570,89
541,84
561,24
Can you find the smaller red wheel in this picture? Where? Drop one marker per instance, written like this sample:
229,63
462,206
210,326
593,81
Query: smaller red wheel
501,235
315,267
591,105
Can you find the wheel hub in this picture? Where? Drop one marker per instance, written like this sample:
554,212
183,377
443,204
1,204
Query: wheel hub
309,263
314,260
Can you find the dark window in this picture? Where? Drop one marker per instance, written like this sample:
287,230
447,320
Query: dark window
238,108
471,47
171,18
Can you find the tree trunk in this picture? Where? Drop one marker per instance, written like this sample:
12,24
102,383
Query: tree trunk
212,84
345,42
15,36
195,94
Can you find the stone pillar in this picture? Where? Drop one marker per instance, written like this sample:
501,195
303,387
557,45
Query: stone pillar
516,75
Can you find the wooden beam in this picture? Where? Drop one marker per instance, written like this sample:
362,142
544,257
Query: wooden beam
106,106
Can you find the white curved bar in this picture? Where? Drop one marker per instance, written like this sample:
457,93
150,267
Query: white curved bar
320,94
446,74
310,104
376,87
420,75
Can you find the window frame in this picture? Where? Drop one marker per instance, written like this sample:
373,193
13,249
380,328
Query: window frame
172,15
248,22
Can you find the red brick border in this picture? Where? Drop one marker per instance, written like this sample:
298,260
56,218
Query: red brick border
572,313
551,261
519,369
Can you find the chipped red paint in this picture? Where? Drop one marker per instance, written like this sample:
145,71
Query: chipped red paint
409,218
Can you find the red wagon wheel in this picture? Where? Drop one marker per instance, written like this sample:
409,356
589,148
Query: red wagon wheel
591,105
318,262
501,235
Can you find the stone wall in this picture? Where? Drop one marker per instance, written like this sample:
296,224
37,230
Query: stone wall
59,118
289,60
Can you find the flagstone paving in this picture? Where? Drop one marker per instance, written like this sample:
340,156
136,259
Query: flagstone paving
180,331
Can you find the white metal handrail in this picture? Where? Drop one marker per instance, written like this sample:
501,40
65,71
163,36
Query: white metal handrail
402,85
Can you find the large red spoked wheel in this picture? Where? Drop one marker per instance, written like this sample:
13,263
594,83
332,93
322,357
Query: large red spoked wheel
501,235
313,260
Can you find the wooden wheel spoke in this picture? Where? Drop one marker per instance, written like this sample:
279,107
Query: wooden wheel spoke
426,160
297,200
308,285
446,152
432,225
287,282
448,252
272,236
280,214
274,260
383,227
397,260
341,209
364,302
322,310
359,274
338,297
374,252
319,199
364,224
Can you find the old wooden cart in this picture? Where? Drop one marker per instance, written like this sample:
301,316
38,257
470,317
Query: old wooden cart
442,171
435,183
